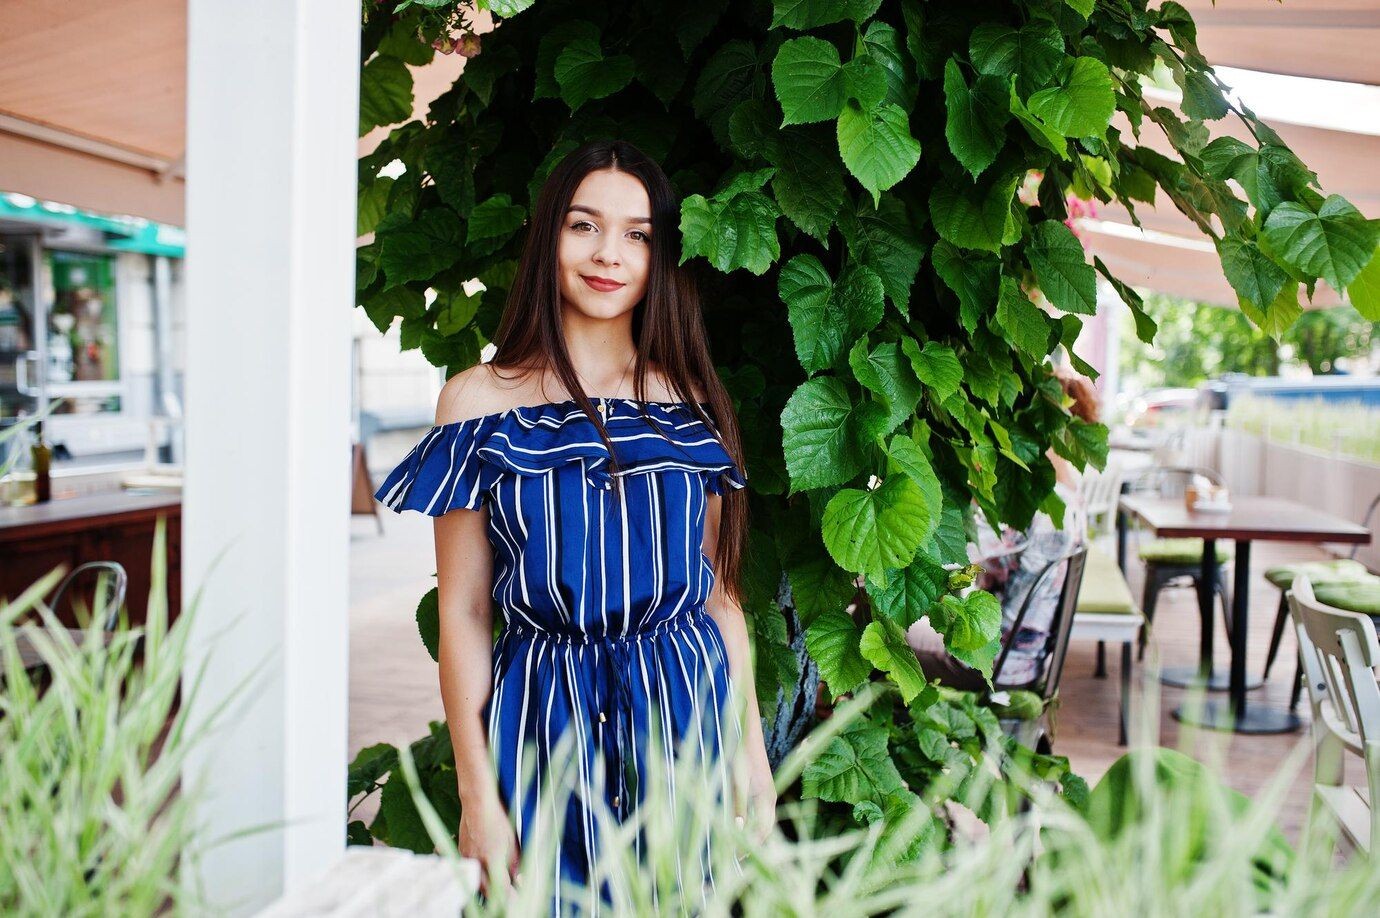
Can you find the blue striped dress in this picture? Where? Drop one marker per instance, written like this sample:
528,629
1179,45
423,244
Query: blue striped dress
605,641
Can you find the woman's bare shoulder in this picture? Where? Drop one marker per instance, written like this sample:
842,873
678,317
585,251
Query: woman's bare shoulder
469,394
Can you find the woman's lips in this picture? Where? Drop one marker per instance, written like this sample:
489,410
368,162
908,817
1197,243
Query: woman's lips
601,285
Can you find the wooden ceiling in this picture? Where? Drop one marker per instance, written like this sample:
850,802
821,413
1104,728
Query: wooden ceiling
114,73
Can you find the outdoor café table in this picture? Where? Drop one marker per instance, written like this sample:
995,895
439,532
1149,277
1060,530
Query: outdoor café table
29,655
1250,519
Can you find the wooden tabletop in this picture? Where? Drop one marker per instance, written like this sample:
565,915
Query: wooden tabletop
1271,519
30,655
87,511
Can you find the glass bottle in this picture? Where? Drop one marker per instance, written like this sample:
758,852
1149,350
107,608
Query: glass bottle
42,463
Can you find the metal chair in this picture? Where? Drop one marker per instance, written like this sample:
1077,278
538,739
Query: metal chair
111,598
1170,561
1339,651
1338,570
1034,734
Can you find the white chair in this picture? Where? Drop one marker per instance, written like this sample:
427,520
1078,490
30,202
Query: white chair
1100,493
1339,652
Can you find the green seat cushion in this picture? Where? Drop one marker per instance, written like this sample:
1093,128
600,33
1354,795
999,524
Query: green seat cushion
1354,596
1104,590
1180,551
1342,570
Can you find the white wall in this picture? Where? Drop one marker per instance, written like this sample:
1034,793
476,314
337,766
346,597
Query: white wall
1340,486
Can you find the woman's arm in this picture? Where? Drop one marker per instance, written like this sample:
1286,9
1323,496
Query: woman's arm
464,585
752,766
463,574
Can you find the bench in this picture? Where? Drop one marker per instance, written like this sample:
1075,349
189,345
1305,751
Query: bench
1106,611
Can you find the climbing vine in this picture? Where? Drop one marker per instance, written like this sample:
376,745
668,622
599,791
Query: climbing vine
880,200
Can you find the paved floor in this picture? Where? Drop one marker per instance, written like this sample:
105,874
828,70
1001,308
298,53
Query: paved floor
394,692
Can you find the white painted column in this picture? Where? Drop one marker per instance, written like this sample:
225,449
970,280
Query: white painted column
272,102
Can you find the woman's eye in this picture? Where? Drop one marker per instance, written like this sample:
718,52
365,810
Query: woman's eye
645,237
581,223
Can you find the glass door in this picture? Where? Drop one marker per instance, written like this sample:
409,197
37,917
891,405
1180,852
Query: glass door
82,364
20,386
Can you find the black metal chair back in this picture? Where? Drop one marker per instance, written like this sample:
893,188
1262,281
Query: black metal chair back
108,574
1057,642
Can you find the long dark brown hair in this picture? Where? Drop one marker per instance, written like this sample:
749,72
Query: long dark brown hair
667,325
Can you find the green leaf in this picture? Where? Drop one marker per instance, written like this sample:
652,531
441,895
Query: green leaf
832,640
936,365
1025,325
1083,8
733,75
1091,439
405,827
1145,326
888,373
455,310
550,47
907,456
1202,100
870,531
952,537
809,80
1083,102
884,645
1061,268
971,276
1032,54
734,229
421,249
1250,271
373,204
583,73
1277,316
492,222
818,585
910,592
824,433
876,146
385,93
971,627
855,766
826,316
976,218
976,118
402,42
383,307
885,46
1335,243
428,619
808,184
866,81
1364,291
1043,134
887,241
803,15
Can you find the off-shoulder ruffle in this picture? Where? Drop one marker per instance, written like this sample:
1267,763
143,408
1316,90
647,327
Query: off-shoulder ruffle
456,465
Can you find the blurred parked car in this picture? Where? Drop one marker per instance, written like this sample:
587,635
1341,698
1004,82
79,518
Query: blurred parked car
1161,407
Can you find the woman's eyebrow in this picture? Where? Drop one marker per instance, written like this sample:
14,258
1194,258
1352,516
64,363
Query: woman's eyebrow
597,213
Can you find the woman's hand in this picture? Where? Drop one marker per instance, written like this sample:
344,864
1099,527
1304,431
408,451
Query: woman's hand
761,795
487,836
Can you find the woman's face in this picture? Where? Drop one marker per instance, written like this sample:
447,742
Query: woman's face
606,236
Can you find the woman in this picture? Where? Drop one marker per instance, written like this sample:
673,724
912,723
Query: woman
1012,563
578,483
